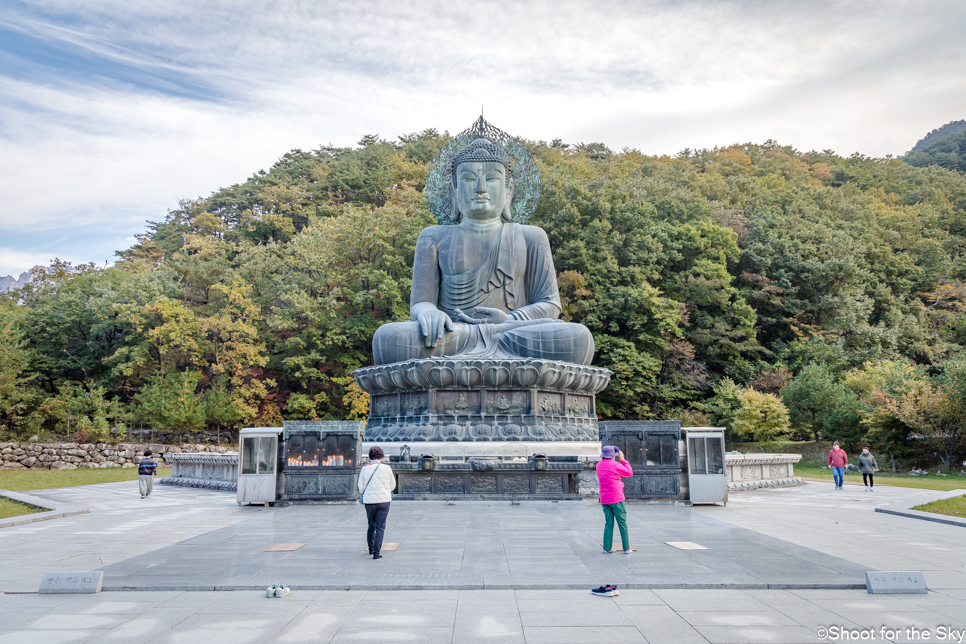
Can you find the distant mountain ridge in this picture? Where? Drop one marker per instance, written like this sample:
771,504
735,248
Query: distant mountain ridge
944,147
9,282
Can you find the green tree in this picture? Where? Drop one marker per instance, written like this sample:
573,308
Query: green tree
818,403
17,394
724,404
172,402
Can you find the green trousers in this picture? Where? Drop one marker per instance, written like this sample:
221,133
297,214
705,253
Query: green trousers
616,511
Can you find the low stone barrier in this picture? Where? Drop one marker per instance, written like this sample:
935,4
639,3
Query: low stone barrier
71,456
750,471
208,471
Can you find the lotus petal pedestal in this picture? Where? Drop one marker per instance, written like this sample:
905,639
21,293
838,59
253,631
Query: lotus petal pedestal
457,399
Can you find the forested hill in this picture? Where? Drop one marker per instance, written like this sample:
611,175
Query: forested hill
945,147
750,270
937,135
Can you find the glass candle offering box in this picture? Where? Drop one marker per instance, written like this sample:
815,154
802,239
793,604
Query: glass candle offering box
320,459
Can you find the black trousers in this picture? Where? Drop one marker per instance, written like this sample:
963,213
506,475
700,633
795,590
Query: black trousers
376,513
867,478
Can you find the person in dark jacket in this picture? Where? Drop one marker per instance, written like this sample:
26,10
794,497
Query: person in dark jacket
147,470
868,467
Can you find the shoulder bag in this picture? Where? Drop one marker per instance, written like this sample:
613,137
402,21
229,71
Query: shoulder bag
361,502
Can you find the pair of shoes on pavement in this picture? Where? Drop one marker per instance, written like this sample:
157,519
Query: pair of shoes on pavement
277,590
606,591
623,552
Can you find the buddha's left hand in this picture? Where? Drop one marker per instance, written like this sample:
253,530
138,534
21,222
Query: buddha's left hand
490,316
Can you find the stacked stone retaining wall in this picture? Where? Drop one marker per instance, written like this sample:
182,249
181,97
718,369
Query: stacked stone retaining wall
71,456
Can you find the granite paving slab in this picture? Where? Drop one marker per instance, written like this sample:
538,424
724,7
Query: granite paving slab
475,546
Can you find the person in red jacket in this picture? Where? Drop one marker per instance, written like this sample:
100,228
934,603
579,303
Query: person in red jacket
838,460
610,469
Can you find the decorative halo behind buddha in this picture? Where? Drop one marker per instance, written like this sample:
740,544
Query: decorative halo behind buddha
501,147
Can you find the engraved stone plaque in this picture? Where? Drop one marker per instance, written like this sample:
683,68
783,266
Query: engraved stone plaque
417,484
778,471
341,485
550,404
548,485
516,484
508,403
895,583
449,483
457,403
483,483
663,485
579,406
415,404
302,484
385,405
634,486
750,472
74,583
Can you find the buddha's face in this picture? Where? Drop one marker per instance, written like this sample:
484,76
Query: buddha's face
481,189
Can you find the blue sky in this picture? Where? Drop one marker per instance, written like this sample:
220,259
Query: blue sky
112,111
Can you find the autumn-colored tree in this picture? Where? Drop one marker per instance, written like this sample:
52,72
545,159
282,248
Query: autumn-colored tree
760,417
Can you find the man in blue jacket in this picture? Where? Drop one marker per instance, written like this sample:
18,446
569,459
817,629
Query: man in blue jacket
147,470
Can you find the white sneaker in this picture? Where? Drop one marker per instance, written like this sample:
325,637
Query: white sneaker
281,591
270,591
628,552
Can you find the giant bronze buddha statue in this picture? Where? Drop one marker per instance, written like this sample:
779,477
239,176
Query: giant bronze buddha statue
485,287
484,355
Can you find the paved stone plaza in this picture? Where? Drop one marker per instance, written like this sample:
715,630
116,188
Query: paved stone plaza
485,571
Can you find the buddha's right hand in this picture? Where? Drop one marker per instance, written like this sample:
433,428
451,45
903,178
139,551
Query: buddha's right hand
432,324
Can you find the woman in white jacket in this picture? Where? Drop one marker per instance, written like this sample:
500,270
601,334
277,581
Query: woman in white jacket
376,483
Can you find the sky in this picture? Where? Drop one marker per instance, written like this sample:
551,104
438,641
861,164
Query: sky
113,111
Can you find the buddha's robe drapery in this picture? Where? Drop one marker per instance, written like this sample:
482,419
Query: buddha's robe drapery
509,268
515,276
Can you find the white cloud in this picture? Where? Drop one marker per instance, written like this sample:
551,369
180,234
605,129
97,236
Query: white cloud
14,262
196,95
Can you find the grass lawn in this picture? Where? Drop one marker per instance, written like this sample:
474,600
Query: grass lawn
955,507
21,480
928,482
10,508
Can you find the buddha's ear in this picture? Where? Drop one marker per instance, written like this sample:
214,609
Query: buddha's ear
454,212
507,214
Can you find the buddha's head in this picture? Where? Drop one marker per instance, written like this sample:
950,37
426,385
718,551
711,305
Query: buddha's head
482,183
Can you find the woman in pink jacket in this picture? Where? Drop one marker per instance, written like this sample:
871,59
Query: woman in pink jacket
611,468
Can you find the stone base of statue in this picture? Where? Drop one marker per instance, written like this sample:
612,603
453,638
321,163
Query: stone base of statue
466,399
